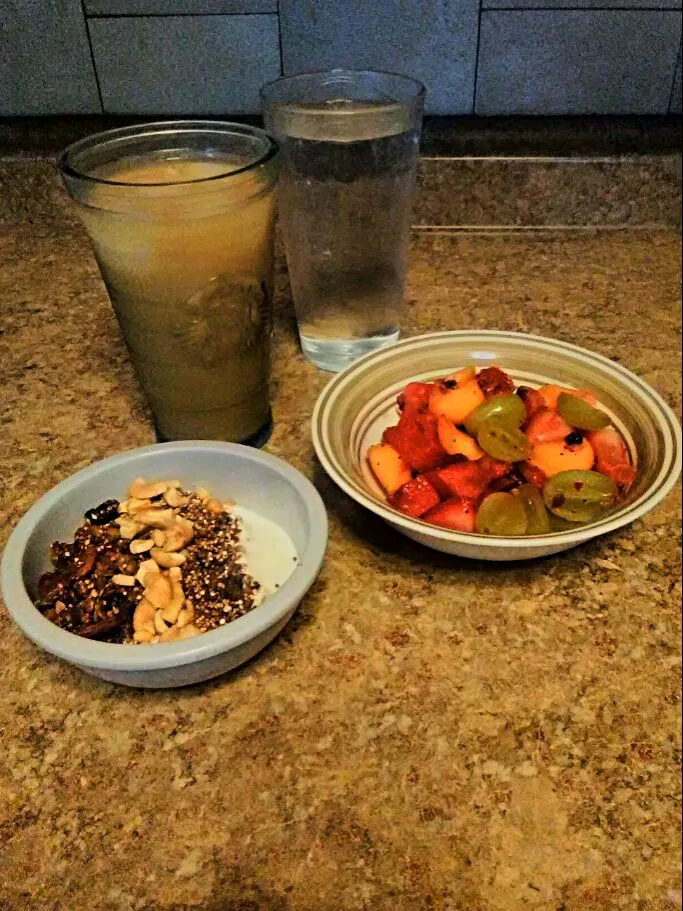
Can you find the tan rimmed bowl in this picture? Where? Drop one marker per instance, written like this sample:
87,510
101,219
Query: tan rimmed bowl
359,403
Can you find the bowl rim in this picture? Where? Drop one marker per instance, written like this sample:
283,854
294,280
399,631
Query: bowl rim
114,656
667,478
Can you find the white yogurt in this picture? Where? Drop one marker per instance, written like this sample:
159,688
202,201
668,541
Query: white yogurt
268,553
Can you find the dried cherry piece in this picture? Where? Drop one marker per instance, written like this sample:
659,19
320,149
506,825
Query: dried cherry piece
103,514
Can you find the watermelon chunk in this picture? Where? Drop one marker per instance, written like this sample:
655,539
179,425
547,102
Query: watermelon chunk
456,513
546,426
494,381
612,457
415,498
464,480
416,439
415,397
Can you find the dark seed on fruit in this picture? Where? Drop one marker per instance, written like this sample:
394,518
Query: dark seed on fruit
578,486
574,438
558,500
450,384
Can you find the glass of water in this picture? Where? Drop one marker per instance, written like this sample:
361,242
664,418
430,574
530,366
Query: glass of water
349,142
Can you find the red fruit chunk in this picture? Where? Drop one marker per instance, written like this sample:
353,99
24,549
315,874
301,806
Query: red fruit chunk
456,513
415,397
546,426
533,400
612,457
494,468
533,475
464,479
416,439
415,498
494,381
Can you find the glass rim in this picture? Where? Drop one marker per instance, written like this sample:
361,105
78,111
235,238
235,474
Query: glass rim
68,169
420,89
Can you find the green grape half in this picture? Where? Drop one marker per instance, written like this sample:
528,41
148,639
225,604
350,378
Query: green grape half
579,496
502,441
507,407
501,514
580,414
537,518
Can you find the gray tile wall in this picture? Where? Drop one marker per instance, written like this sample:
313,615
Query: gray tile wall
576,61
675,105
211,56
177,7
45,64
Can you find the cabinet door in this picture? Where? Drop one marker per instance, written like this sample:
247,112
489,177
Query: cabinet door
184,64
45,60
577,61
432,40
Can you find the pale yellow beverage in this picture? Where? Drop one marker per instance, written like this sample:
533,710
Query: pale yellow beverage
184,241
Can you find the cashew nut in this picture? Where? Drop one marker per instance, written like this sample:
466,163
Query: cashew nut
165,559
186,615
171,612
147,490
158,590
128,528
143,618
174,498
171,634
159,624
147,566
141,545
155,518
123,579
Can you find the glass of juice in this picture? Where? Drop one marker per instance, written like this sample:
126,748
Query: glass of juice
181,219
349,142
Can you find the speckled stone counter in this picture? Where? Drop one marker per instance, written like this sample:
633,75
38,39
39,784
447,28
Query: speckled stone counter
427,733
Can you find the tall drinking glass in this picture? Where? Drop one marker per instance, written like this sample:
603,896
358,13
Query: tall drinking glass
181,217
349,143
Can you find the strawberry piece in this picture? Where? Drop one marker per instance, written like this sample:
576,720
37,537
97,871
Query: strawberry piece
494,381
415,498
533,400
458,514
533,475
464,480
546,426
415,397
612,457
416,439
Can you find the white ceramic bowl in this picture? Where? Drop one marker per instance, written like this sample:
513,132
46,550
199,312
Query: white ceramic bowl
255,480
359,403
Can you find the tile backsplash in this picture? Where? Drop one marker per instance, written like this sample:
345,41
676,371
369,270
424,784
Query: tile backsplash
487,57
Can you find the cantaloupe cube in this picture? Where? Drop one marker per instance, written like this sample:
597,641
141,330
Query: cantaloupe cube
551,394
456,442
388,467
455,404
552,458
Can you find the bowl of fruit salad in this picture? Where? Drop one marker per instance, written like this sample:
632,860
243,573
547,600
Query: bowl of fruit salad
497,445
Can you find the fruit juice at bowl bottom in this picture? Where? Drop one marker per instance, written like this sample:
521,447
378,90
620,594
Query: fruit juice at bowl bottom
190,281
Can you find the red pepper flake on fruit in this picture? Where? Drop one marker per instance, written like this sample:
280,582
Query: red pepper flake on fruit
473,454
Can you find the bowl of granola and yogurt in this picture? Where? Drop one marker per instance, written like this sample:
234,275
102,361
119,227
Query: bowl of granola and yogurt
166,565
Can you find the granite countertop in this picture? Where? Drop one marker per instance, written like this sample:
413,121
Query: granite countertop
427,732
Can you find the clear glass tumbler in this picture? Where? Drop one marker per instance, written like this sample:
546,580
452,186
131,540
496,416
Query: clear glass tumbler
349,142
181,218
